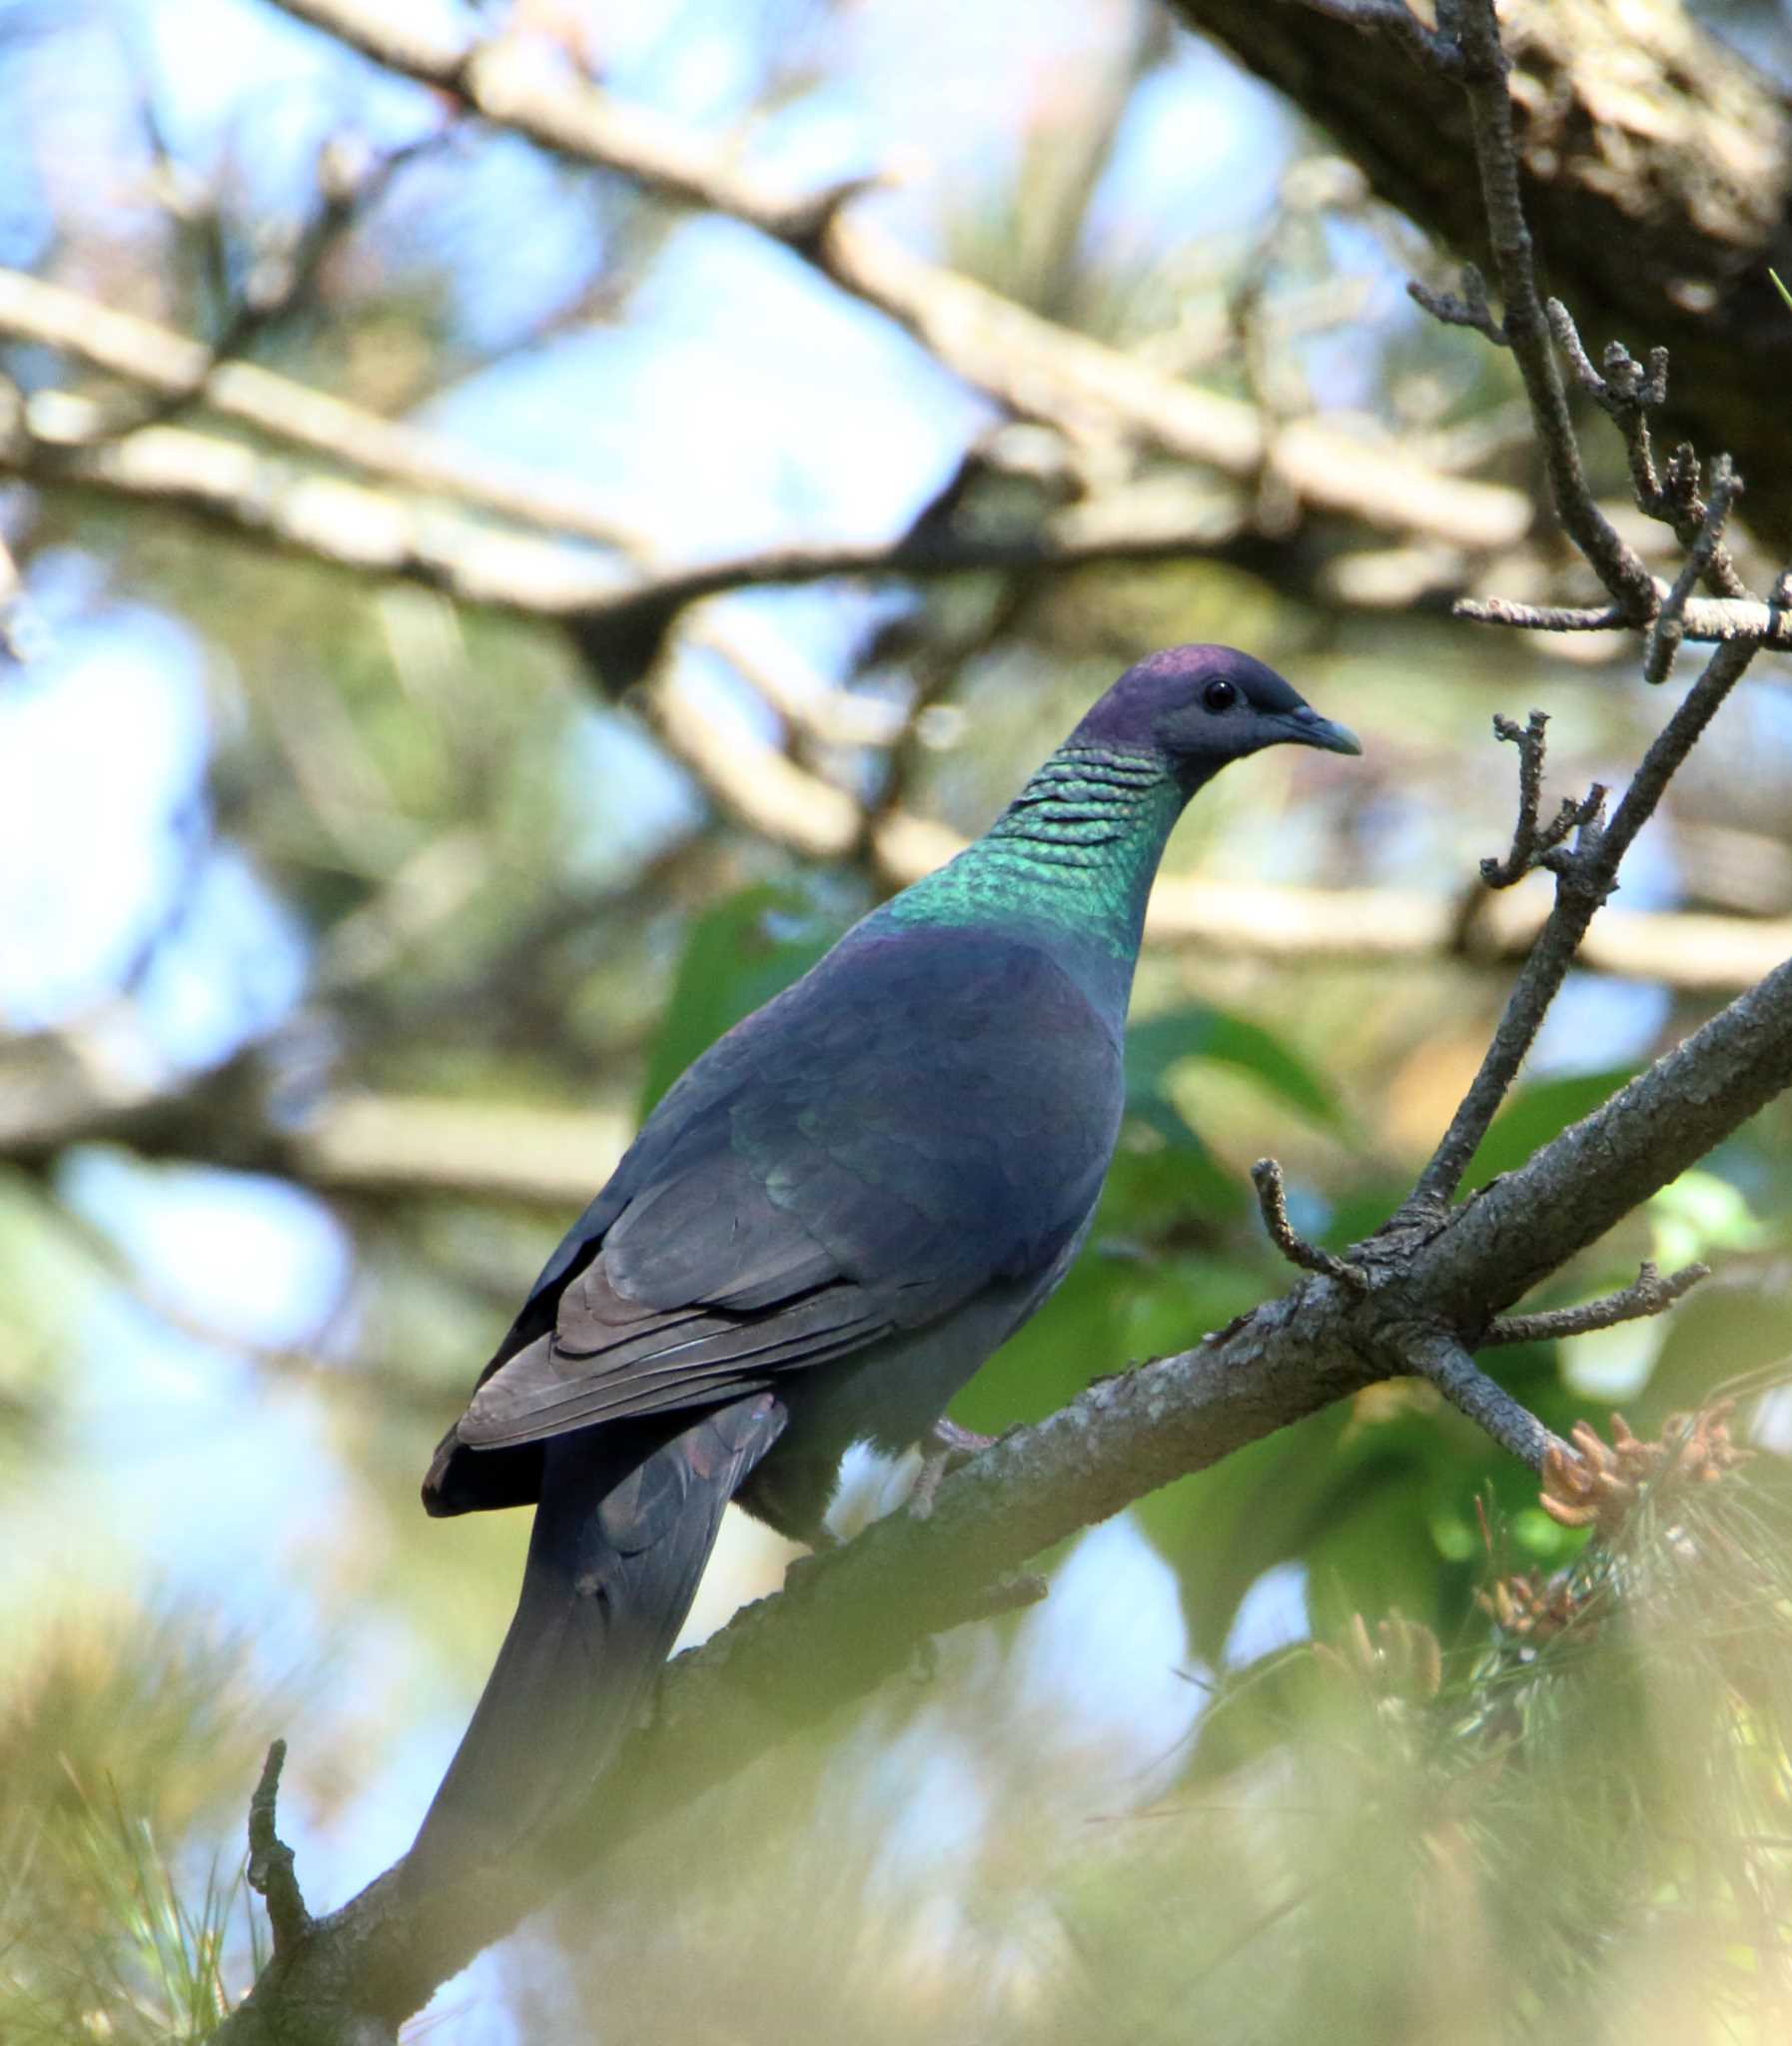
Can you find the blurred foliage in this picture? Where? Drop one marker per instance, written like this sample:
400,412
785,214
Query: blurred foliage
1568,1824
491,888
124,1738
1567,1834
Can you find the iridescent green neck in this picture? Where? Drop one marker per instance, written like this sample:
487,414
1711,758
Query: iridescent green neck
1074,854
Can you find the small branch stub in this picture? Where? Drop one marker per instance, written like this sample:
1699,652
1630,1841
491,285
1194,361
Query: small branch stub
1649,1295
1669,628
1272,1199
1535,844
271,1873
1471,310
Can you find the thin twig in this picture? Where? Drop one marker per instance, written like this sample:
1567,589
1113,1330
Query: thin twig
351,180
1272,1199
270,1872
1710,620
1627,393
1649,1295
1471,310
1535,844
1582,882
1671,746
1526,329
1662,642
1538,617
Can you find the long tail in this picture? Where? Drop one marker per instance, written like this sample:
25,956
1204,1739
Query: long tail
621,1538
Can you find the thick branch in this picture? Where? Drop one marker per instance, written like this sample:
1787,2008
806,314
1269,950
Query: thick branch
158,359
1660,192
1035,367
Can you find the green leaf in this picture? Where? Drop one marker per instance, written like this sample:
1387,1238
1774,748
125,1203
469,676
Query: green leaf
1196,1030
1375,1497
1155,1188
736,957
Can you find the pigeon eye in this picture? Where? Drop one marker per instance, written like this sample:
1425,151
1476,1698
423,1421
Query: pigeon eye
1220,695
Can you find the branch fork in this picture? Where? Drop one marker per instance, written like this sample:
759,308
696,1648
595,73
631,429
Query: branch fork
1534,845
1471,309
1536,330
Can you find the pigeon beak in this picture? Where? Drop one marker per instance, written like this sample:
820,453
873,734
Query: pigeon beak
1307,728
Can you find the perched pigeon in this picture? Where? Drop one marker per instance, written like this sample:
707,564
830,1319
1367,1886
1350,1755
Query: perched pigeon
822,1231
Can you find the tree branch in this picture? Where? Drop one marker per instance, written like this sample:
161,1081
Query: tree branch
1440,1357
1585,877
1627,393
1710,620
1705,134
1271,1200
1650,1295
849,1621
1485,70
269,1873
1034,368
1534,845
373,532
159,360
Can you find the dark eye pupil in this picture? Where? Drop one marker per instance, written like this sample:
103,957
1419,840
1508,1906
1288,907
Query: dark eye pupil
1220,695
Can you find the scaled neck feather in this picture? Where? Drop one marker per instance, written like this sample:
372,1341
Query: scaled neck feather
1072,858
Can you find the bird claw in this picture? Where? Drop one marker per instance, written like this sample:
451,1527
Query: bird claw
944,1448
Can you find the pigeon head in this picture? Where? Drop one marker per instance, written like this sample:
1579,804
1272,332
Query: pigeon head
1196,708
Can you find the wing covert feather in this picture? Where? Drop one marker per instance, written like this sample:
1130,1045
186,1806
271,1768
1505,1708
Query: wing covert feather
925,1114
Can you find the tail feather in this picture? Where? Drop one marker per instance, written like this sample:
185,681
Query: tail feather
621,1534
